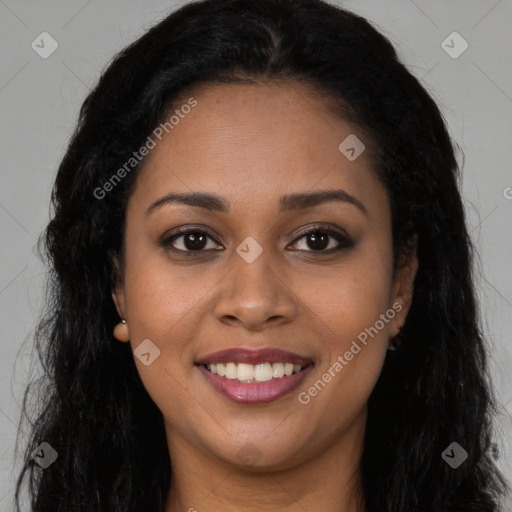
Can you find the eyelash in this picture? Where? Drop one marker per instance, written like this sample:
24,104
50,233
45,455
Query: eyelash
343,240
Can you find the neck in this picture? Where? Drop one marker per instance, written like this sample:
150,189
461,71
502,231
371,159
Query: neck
329,481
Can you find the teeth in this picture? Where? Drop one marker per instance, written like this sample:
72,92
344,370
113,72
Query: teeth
231,371
278,370
262,372
245,372
221,369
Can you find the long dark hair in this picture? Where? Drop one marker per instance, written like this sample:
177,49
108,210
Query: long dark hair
434,390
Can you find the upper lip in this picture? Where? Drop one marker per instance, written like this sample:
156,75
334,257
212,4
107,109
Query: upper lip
254,356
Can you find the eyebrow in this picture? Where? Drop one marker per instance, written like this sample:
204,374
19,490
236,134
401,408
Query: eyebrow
289,202
309,199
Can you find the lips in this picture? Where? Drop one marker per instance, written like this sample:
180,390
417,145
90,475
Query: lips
267,374
259,356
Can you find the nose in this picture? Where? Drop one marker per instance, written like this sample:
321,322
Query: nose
254,296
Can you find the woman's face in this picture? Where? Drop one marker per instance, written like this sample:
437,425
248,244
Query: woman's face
254,282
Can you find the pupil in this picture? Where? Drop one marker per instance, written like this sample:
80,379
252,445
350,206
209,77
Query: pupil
194,241
319,241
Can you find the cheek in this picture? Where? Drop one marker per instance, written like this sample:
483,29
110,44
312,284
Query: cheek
349,297
160,293
168,304
166,307
347,311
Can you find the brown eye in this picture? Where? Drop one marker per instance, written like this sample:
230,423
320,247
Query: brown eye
322,240
190,240
194,241
317,240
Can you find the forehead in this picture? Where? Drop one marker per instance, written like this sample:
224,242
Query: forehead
253,143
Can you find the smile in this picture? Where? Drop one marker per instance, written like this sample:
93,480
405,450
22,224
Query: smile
254,376
262,372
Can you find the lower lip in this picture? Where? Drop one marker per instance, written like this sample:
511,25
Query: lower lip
256,392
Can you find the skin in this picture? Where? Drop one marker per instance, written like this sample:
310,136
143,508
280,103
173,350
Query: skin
251,144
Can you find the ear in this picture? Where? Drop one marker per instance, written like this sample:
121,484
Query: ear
117,285
403,284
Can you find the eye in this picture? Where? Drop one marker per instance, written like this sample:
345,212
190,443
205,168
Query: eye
190,240
317,239
320,239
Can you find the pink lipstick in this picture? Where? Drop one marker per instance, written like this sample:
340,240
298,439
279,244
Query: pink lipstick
250,376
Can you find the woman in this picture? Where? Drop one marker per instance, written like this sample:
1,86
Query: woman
262,292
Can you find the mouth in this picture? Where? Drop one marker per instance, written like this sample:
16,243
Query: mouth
250,373
254,376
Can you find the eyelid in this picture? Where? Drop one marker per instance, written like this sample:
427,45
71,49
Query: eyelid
341,236
175,233
320,227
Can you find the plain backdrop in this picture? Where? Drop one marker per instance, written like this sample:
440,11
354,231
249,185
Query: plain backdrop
40,98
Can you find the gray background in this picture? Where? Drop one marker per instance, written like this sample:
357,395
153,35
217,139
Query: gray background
40,98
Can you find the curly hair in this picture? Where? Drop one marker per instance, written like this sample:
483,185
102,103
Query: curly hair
91,405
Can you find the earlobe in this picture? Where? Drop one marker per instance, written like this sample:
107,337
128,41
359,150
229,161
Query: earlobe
394,343
403,285
121,332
